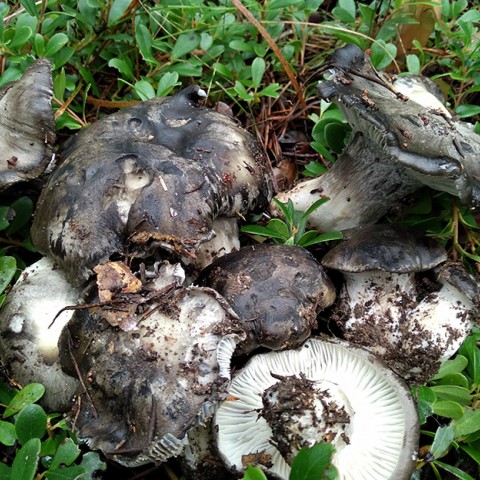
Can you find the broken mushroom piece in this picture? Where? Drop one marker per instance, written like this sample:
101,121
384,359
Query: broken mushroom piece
277,292
397,146
386,308
155,175
30,329
323,391
27,126
152,365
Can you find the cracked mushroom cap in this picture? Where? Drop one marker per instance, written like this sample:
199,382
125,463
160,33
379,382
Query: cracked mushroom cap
413,321
153,175
154,362
433,149
277,292
27,126
29,334
323,391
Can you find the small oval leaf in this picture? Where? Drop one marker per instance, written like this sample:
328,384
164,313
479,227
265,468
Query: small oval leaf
31,422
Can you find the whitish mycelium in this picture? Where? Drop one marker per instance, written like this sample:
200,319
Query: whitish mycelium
29,334
153,175
413,320
277,292
323,391
153,361
400,142
27,126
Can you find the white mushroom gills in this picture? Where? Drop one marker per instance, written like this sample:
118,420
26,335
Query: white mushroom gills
375,438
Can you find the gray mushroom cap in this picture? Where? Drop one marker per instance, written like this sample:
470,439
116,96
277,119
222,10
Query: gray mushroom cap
398,145
157,358
389,247
27,126
153,175
277,292
324,390
433,149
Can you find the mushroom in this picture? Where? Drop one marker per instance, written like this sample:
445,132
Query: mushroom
27,126
396,147
153,175
384,307
276,291
30,328
152,363
324,391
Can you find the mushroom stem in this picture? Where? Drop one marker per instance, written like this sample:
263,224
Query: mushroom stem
362,187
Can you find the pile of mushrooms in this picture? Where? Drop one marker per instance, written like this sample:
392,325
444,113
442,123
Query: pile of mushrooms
163,338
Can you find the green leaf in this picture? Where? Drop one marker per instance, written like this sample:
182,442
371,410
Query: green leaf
413,64
118,8
6,216
345,11
336,134
91,462
454,470
424,411
443,439
31,422
70,473
253,473
166,84
470,350
270,90
242,92
454,379
7,433
279,226
455,365
258,70
448,409
382,54
25,463
144,90
30,7
454,393
26,396
8,268
186,42
262,231
313,169
473,451
144,42
311,463
66,454
465,111
55,44
241,46
59,84
5,472
6,393
23,208
21,37
319,238
323,151
124,66
468,423
39,45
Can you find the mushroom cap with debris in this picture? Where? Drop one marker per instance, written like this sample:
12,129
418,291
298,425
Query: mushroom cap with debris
323,391
276,290
156,358
153,175
27,125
